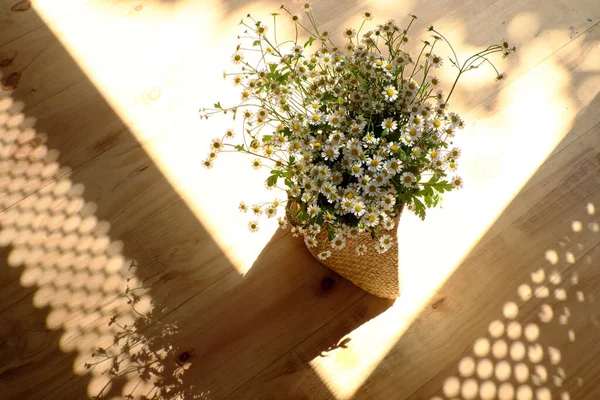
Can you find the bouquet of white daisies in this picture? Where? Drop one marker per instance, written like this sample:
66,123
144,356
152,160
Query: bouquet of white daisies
351,133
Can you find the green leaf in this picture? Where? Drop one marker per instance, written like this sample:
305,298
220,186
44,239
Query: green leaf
309,42
272,180
239,147
266,138
218,105
419,208
256,43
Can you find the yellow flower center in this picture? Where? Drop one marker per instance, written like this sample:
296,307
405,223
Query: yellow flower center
390,92
437,123
417,120
317,145
356,168
389,124
349,195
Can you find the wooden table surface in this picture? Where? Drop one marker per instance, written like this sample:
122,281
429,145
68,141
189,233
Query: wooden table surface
100,146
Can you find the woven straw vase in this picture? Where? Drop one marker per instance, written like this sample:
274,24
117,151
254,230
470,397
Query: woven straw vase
373,272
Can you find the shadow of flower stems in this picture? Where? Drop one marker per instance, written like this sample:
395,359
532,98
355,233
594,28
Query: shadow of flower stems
144,361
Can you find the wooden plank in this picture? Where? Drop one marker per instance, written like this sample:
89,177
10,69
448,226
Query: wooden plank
19,17
550,337
36,66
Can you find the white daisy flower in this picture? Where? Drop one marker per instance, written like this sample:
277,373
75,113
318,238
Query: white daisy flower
389,124
390,93
295,231
271,212
433,155
408,179
352,231
435,60
237,58
413,133
324,255
329,153
378,63
433,80
454,153
237,80
338,242
306,6
381,248
457,182
370,139
335,120
313,210
347,205
389,224
393,147
256,163
393,165
314,229
357,170
243,207
372,189
370,219
253,226
216,145
328,217
358,208
297,50
301,69
256,209
310,241
374,163
401,59
336,137
455,119
282,222
356,129
316,118
364,180
388,67
361,249
386,240
208,163
387,202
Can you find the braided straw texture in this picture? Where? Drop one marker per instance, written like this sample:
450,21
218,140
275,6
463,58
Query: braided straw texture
373,272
